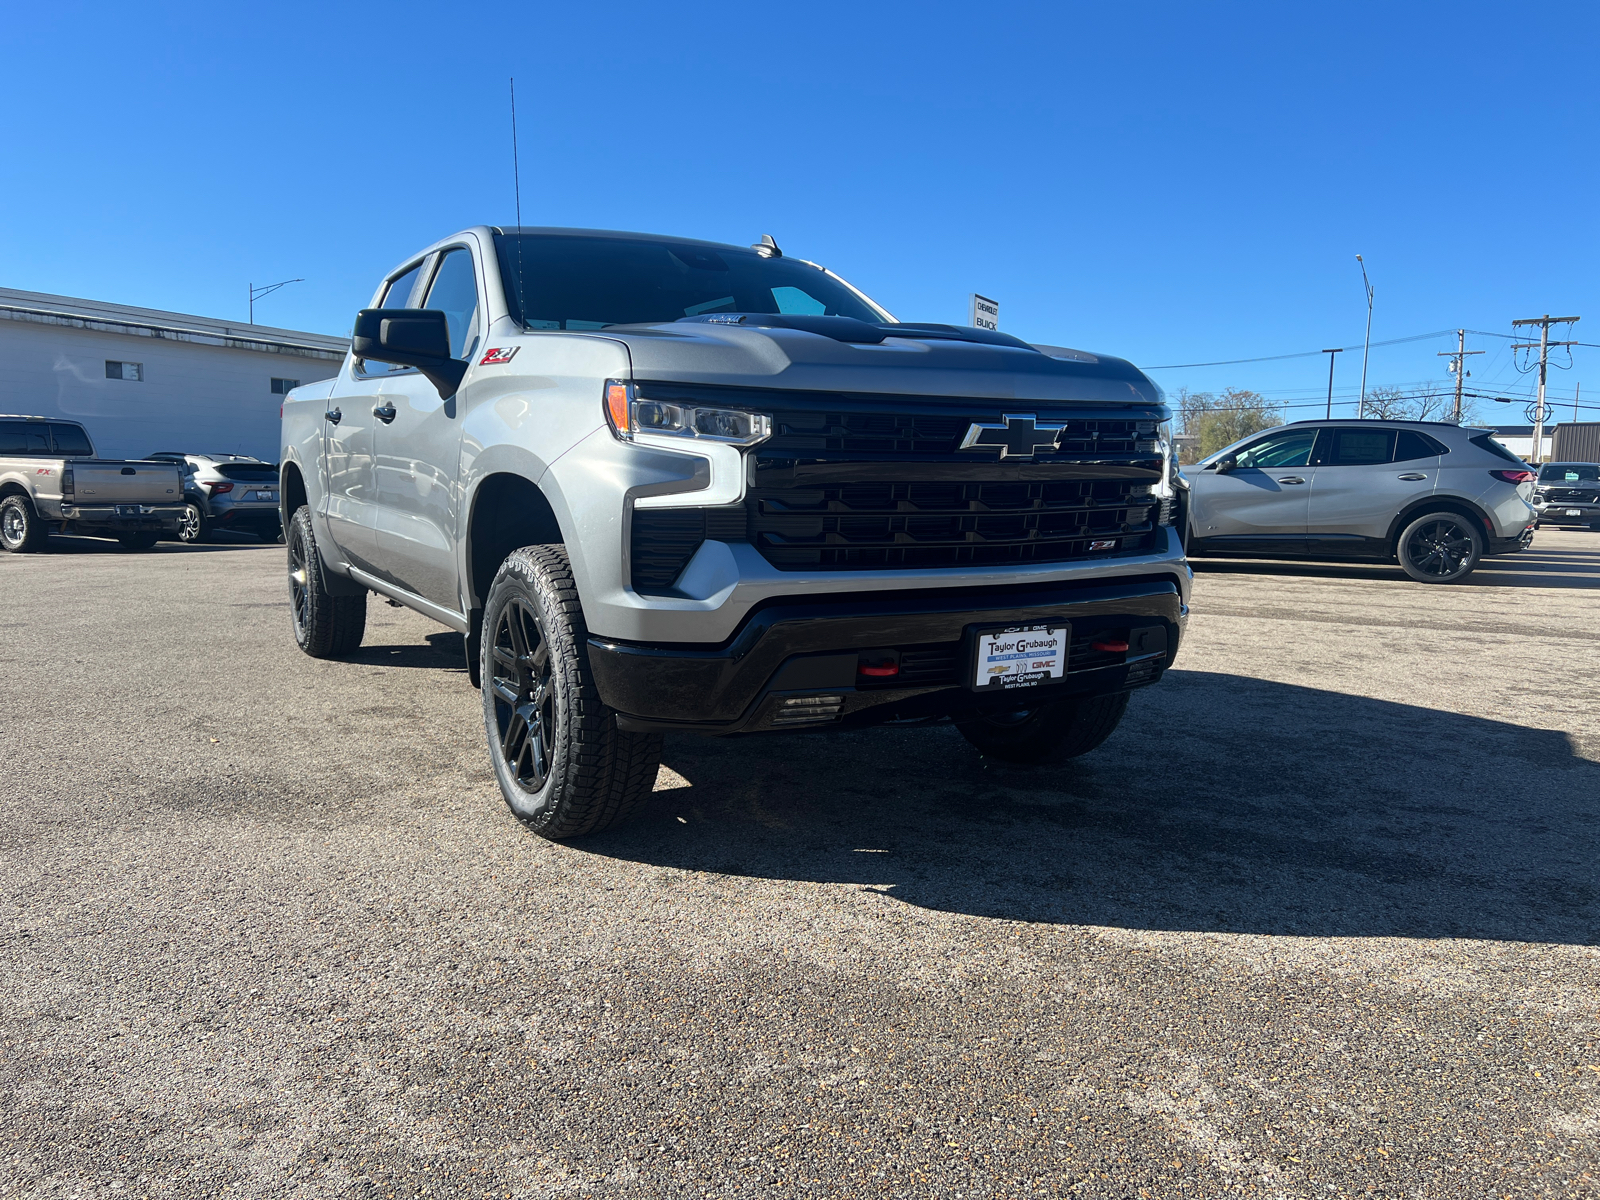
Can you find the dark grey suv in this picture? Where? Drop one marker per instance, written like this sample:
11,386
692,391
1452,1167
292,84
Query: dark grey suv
1436,498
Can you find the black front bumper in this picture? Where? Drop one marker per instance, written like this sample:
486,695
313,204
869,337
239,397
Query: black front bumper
797,664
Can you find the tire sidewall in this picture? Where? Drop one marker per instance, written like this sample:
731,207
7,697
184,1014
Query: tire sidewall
520,578
300,530
1461,522
28,523
199,527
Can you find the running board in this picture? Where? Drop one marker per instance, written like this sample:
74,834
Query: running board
411,600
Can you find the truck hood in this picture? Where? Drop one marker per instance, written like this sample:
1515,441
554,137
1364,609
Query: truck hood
902,363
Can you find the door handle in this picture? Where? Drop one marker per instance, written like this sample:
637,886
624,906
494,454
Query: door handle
1290,479
384,413
333,416
1414,476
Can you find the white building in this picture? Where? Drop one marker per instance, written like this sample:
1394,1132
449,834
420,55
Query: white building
1519,440
142,380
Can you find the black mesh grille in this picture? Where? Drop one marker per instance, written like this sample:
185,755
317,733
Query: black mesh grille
936,433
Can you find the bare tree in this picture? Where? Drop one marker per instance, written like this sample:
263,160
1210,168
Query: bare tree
1427,402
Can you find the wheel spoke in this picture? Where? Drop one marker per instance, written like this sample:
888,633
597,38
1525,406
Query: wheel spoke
513,741
503,690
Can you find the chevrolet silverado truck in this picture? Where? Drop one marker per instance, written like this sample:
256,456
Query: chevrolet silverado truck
664,485
50,480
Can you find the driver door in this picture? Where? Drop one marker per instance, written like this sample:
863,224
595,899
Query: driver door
1260,505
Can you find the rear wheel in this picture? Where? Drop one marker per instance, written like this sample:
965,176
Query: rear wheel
193,527
138,541
1439,547
325,625
1047,734
21,531
563,765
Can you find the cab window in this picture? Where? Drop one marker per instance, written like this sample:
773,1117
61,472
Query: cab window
71,441
1291,448
24,437
454,292
1351,447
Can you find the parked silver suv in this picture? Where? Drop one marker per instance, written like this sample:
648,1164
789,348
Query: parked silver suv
226,491
1435,497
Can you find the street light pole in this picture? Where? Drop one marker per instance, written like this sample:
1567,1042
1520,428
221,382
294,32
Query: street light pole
1367,345
1330,354
256,293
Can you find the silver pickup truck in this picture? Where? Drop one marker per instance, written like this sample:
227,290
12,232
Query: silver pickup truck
50,480
667,485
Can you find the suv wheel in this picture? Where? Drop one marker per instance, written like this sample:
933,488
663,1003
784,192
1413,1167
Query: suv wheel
21,530
1048,734
192,525
1439,547
325,625
562,764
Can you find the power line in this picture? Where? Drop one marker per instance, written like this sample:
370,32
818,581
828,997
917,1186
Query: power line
1229,362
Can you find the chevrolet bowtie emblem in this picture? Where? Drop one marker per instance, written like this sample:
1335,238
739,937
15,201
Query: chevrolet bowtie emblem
1022,436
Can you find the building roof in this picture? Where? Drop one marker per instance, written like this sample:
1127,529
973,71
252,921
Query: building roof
46,309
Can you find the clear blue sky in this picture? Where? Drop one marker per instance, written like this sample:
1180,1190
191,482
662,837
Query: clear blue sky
1175,183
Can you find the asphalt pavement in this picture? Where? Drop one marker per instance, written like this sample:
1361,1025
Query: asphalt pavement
1320,919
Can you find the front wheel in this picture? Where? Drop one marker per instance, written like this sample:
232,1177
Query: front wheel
1050,733
1439,547
563,765
325,625
20,527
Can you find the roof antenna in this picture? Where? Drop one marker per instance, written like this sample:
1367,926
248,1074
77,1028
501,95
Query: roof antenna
767,248
516,179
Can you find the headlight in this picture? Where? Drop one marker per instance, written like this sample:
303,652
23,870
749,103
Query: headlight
630,416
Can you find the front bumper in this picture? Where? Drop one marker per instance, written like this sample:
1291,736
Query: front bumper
1554,512
796,664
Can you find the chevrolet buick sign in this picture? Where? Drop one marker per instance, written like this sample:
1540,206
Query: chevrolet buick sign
1022,436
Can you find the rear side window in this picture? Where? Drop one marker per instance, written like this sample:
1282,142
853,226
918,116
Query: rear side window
1485,441
1355,447
1410,444
71,441
24,437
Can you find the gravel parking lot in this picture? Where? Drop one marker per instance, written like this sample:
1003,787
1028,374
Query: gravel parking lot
1320,919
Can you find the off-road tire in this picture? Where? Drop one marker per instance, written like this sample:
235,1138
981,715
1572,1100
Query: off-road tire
564,767
325,625
1051,733
136,542
21,531
1439,547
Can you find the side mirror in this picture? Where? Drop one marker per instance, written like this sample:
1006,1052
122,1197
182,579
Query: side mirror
411,337
1224,465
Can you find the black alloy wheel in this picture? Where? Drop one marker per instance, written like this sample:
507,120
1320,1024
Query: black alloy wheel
299,588
524,695
1439,548
326,625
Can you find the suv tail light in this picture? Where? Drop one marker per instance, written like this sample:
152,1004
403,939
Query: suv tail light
1514,476
219,487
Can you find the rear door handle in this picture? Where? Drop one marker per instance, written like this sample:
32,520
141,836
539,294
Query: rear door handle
1290,479
333,416
384,413
1413,476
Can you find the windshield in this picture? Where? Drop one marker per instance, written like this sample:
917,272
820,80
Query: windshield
570,281
1570,473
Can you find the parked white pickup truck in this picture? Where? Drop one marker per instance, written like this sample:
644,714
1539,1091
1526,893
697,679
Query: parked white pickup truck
50,479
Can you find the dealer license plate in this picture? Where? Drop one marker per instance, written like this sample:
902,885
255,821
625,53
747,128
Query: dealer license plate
1020,656
1574,512
271,496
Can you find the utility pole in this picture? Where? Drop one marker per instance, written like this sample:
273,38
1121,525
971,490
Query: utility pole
1544,345
1458,365
1366,346
1330,354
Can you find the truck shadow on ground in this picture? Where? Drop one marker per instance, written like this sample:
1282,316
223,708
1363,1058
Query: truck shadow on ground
61,543
444,652
1223,803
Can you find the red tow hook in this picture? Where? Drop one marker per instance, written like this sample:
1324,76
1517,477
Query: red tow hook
879,671
1109,645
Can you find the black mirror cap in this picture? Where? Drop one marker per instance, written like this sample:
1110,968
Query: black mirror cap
410,337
